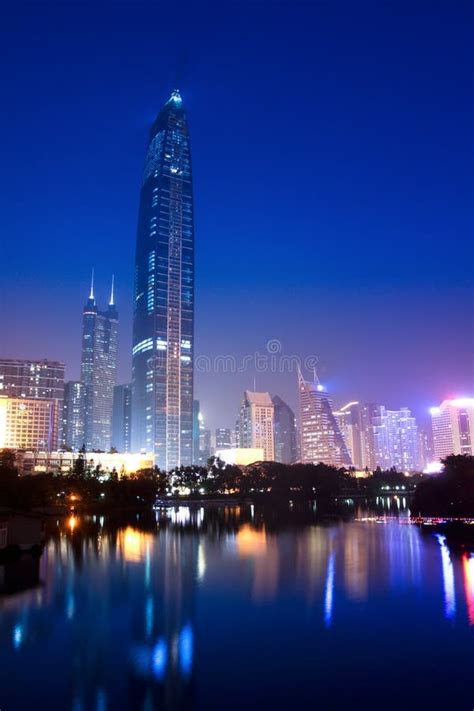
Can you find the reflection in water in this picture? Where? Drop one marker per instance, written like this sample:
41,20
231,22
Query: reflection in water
468,571
145,613
448,578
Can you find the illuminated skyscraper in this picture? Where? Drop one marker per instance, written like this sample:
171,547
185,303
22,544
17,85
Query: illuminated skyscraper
27,423
256,423
98,371
321,438
163,324
284,432
72,431
223,438
453,427
122,418
349,420
396,439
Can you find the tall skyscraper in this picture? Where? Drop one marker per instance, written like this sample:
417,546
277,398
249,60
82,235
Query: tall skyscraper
256,423
98,371
453,427
163,322
72,431
349,421
38,380
284,432
321,438
122,418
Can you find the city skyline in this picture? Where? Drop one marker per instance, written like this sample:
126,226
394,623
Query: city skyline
370,275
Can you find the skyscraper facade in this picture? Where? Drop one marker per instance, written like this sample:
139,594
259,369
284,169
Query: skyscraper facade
38,380
321,438
453,427
98,371
122,418
163,322
256,423
72,431
349,421
391,437
223,438
27,423
284,432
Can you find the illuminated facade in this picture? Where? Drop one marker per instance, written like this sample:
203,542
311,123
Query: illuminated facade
122,418
256,423
98,371
321,438
396,439
349,421
31,462
72,431
26,423
223,438
38,380
163,323
284,432
452,426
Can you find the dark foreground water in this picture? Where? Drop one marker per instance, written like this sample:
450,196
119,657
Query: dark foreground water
232,609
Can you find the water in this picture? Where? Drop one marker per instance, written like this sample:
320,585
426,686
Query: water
232,608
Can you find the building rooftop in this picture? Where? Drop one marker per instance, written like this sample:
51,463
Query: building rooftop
262,399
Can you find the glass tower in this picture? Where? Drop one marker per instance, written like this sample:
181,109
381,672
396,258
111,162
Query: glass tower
98,371
163,321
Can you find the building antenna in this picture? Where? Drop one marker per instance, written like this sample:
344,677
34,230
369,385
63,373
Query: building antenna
91,294
111,302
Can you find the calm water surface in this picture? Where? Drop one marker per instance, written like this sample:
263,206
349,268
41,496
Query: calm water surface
232,608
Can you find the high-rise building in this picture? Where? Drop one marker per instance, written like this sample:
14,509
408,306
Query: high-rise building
452,425
27,423
321,438
223,440
425,449
196,411
284,432
235,435
72,431
98,371
38,380
349,421
367,413
122,418
256,423
163,322
392,437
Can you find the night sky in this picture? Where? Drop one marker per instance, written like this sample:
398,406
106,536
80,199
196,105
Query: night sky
333,174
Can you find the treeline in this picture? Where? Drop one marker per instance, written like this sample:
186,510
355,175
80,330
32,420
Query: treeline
450,493
88,488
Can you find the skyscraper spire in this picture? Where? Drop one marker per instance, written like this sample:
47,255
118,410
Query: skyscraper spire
91,294
111,301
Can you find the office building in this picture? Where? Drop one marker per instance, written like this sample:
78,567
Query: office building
284,432
72,431
38,380
223,438
256,423
122,418
163,320
98,371
27,423
321,438
348,418
452,426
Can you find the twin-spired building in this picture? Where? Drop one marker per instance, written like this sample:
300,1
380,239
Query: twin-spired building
163,320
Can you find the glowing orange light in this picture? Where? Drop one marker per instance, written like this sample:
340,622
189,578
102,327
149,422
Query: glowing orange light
251,542
134,544
72,523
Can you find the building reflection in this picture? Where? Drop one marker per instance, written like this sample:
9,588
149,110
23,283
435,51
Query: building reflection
119,599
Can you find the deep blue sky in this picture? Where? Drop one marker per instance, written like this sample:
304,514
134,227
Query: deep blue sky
333,175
